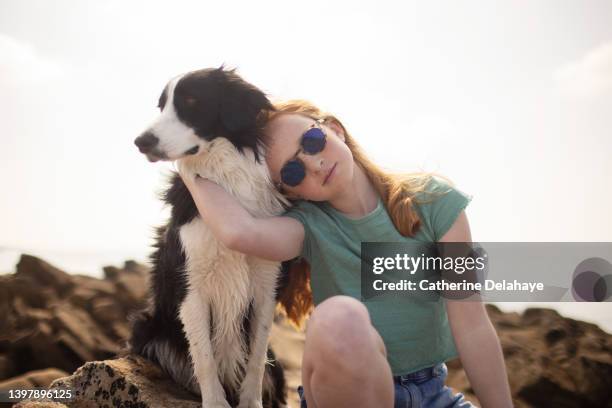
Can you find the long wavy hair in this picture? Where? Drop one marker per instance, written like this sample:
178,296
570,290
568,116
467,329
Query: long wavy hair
398,192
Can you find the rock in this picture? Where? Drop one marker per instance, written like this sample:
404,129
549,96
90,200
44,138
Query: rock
79,324
120,329
31,294
81,297
49,318
98,286
127,382
88,289
135,267
6,366
43,274
37,378
552,361
40,404
111,272
131,290
106,310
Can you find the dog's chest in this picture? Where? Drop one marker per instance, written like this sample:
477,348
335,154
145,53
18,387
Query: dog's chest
220,272
210,266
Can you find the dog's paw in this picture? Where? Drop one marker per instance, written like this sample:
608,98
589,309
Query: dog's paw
250,403
215,404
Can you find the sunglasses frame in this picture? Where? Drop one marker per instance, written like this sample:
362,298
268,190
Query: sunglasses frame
317,124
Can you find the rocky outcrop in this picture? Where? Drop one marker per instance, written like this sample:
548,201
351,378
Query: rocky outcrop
130,382
50,319
552,361
31,379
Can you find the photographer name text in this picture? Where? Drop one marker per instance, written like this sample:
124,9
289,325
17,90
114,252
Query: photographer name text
440,285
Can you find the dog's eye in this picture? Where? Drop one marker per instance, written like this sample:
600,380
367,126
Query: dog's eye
190,100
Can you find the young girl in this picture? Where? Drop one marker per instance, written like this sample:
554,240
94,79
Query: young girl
377,353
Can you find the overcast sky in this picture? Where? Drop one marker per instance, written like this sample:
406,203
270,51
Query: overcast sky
511,100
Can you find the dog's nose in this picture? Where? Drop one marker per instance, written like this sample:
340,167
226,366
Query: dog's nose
146,142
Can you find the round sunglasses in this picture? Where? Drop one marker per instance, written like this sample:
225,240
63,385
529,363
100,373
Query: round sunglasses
312,142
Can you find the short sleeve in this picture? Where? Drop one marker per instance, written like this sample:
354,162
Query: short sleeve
439,206
300,211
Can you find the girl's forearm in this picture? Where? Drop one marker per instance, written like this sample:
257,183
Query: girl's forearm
222,213
483,360
238,230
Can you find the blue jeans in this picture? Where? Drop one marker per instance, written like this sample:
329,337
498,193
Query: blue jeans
422,389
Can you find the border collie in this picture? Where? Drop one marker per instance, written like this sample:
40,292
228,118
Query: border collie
212,308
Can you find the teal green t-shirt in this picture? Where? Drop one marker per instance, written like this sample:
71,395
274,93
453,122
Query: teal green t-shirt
415,331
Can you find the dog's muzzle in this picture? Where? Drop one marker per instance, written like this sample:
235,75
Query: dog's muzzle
146,142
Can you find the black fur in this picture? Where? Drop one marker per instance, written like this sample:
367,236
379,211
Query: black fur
215,103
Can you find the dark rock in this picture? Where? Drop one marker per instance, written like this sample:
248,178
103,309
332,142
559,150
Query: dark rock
43,274
552,361
111,272
135,267
49,318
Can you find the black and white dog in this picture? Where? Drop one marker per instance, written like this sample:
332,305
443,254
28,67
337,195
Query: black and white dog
212,308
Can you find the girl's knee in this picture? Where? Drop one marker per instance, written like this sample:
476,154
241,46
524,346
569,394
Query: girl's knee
339,326
339,314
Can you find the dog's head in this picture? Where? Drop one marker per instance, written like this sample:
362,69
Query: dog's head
200,106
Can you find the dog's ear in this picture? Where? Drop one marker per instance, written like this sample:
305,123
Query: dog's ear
240,107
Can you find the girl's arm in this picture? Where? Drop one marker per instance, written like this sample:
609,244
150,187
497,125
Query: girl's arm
273,238
476,340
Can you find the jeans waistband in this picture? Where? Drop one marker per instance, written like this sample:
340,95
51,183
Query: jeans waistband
421,375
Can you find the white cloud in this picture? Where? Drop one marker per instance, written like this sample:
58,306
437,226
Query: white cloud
589,76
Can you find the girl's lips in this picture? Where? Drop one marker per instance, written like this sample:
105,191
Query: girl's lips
331,172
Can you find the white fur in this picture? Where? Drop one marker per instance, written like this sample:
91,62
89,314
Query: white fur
175,138
222,283
225,282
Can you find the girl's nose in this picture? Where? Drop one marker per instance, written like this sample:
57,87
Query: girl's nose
313,163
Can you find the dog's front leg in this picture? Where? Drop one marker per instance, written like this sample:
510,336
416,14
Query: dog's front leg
263,314
195,316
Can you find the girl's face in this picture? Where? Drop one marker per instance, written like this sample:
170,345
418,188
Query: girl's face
328,172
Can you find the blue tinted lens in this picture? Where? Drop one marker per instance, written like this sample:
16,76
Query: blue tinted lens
313,141
293,173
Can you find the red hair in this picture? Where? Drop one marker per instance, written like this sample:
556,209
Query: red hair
397,192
